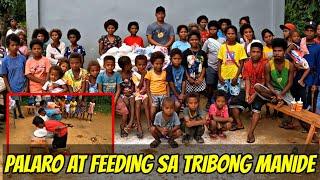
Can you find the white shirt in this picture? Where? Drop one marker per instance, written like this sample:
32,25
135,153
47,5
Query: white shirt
53,51
11,31
48,86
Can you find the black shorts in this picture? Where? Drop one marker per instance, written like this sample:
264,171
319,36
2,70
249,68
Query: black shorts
212,78
59,142
238,102
257,104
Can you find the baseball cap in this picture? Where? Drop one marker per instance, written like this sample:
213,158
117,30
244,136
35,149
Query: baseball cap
310,24
289,26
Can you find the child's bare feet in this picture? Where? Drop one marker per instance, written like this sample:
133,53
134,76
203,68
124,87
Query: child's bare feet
222,135
213,136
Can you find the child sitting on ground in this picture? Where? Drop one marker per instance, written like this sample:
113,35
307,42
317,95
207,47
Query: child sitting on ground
194,120
91,82
166,125
59,129
218,118
55,84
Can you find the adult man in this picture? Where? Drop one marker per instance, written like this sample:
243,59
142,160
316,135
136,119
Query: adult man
160,33
279,78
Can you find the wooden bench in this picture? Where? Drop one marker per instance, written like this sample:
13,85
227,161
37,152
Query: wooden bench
304,115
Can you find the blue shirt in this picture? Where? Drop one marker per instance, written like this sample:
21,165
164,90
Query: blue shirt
182,45
79,50
177,76
313,59
109,83
170,123
13,68
221,35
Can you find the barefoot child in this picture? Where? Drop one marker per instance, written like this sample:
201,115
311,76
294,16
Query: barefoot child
194,120
59,129
231,57
37,68
91,82
76,76
92,104
126,92
55,84
166,125
176,76
157,87
141,97
219,119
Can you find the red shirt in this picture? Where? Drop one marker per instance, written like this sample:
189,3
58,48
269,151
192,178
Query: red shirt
132,40
52,125
214,111
204,35
254,74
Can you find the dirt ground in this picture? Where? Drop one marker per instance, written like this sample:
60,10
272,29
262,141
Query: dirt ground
267,132
84,132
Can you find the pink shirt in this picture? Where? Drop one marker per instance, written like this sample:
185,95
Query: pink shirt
37,68
214,111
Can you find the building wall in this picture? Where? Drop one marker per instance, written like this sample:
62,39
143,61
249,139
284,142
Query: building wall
88,16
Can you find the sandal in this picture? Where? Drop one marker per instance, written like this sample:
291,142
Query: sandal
155,143
251,139
173,143
127,129
235,128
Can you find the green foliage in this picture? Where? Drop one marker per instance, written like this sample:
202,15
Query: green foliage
301,11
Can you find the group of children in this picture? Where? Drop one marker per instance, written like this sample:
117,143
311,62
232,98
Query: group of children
232,69
65,107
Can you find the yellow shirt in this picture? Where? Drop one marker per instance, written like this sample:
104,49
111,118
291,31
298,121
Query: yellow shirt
231,60
267,52
158,83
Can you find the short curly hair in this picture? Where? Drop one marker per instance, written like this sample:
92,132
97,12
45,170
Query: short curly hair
200,18
123,61
58,31
58,69
92,64
111,22
36,41
133,23
42,31
74,32
157,55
